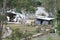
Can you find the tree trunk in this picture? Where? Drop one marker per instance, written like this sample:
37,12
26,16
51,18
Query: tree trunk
4,6
1,29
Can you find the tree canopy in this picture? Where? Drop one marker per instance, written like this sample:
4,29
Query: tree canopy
29,5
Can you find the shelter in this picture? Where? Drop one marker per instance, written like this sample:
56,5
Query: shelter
42,16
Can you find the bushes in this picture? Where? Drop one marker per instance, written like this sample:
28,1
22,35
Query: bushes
38,29
17,35
49,38
58,22
58,28
3,17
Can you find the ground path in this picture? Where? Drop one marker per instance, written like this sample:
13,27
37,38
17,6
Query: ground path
45,37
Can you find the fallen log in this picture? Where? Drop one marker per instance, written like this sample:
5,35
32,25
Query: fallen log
39,34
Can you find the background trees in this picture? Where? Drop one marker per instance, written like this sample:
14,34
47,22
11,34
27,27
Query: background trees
28,5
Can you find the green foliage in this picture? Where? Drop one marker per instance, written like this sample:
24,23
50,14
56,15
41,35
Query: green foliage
38,30
27,3
18,33
58,13
19,4
3,17
1,3
22,4
58,28
13,36
31,9
48,4
27,35
49,38
58,4
58,22
2,20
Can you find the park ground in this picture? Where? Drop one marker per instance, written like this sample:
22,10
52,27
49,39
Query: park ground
50,36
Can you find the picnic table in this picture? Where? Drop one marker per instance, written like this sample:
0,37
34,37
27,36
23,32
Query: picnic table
44,20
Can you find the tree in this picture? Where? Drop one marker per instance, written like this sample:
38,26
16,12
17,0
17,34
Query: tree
2,21
50,5
28,5
2,17
58,22
1,3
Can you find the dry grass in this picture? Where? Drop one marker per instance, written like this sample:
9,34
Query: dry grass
21,27
58,38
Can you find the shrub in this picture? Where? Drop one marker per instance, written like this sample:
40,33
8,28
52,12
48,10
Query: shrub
58,28
49,38
38,30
